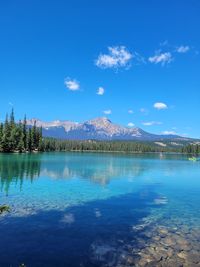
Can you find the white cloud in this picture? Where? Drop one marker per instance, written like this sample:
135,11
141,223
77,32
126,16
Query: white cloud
130,111
71,84
100,91
130,124
107,112
10,104
169,133
160,105
183,49
162,58
118,56
150,123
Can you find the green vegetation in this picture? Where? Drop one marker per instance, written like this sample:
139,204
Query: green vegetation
191,149
4,208
50,144
16,137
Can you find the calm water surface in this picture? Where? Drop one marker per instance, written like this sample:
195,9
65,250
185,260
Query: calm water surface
90,209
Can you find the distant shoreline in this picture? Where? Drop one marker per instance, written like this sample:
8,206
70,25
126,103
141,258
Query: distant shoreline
97,151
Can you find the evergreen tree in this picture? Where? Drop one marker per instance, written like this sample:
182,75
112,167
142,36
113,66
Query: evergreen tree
34,136
40,143
30,140
16,136
6,144
25,133
1,135
20,139
13,131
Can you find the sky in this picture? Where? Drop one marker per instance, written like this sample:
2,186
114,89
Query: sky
136,62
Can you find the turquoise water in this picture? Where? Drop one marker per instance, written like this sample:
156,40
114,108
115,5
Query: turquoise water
96,209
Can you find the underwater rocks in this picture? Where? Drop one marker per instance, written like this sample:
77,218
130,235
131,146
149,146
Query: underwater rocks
155,245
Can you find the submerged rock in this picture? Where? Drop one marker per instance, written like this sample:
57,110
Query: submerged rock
159,244
182,255
168,242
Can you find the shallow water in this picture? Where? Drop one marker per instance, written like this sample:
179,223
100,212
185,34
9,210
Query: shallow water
96,209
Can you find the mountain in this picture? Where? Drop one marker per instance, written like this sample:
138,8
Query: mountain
96,129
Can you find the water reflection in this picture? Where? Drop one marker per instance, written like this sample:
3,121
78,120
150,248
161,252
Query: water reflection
16,168
98,168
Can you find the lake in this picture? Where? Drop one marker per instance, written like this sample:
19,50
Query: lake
99,209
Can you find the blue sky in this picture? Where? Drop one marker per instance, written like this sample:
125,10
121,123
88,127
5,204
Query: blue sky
136,62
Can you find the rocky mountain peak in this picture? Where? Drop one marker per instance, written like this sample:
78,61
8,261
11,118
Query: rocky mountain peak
100,128
100,122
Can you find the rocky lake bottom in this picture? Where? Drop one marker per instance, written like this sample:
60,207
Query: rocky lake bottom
153,244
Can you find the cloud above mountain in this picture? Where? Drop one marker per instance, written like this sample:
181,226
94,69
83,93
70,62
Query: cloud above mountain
167,53
130,124
150,123
162,58
100,91
72,84
169,133
107,112
183,49
117,57
160,105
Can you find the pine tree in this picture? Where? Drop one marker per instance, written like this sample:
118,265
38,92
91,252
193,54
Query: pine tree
13,131
34,136
1,135
16,136
20,139
30,142
25,133
6,144
40,143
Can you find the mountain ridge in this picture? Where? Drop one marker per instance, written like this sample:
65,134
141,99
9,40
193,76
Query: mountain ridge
100,128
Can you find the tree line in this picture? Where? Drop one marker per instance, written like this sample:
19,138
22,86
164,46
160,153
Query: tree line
18,137
51,144
191,149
